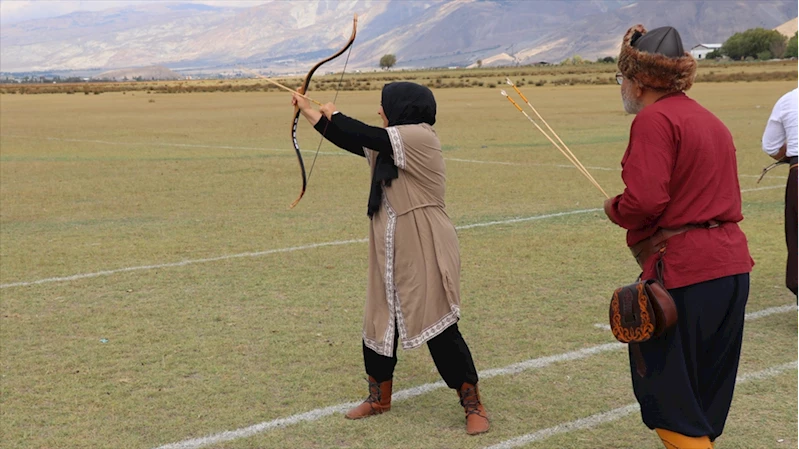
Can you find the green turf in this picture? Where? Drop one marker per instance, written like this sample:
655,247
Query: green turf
140,358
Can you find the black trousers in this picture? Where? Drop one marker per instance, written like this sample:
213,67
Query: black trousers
691,368
791,230
450,354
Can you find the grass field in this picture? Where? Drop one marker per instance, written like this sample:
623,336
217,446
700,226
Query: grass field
155,288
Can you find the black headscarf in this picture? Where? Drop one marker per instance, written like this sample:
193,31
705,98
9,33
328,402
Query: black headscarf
408,104
403,103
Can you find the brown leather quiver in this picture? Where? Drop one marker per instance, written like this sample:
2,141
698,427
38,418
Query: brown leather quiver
641,311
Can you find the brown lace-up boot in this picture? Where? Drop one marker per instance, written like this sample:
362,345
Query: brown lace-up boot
379,400
476,414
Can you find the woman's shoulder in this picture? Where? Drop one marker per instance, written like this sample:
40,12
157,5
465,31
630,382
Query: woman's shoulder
416,139
419,129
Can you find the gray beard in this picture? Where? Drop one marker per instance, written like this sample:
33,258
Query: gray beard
630,105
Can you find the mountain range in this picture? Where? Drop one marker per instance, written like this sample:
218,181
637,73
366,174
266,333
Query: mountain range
283,36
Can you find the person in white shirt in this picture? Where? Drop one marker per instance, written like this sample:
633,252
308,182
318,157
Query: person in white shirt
780,142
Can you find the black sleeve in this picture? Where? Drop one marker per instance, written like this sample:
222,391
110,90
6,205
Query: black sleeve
338,138
371,137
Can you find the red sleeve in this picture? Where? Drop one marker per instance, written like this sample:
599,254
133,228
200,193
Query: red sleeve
646,171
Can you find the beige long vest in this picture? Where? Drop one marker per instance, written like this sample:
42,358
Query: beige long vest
414,261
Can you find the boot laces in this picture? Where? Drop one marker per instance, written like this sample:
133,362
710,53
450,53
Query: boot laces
374,392
470,402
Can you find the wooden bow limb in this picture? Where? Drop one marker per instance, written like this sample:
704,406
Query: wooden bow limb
269,80
304,89
771,167
570,156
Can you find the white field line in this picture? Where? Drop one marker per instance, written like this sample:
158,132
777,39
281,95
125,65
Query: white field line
181,263
313,415
402,395
180,145
770,311
271,251
618,413
523,164
229,147
335,153
533,164
763,188
524,219
748,317
290,249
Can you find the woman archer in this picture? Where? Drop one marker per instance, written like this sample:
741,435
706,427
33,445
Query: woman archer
413,292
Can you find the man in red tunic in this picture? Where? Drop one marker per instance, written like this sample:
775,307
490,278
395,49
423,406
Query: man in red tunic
681,208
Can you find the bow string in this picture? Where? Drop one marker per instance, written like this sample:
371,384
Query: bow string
304,89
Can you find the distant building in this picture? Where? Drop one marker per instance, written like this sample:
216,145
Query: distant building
701,50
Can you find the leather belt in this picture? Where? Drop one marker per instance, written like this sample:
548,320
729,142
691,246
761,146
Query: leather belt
647,248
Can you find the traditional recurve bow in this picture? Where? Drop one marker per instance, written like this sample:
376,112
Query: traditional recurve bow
305,85
771,167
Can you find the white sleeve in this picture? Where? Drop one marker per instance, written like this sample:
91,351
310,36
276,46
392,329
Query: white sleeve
774,135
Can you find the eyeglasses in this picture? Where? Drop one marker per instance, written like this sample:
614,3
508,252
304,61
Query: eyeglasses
619,78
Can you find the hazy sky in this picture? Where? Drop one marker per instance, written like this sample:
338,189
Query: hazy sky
12,11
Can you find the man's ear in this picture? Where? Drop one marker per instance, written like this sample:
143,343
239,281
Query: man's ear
639,91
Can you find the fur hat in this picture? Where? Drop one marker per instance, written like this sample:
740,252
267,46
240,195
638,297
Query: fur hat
656,59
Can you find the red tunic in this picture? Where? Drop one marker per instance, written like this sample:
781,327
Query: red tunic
679,169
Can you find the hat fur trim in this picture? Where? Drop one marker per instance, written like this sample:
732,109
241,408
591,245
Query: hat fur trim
653,70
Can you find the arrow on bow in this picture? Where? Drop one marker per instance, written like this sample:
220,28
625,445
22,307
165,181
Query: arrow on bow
304,89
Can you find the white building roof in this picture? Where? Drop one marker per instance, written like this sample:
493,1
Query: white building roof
711,46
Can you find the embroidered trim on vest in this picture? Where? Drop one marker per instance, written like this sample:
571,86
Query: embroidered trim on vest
403,330
391,289
394,308
371,344
396,145
387,348
433,331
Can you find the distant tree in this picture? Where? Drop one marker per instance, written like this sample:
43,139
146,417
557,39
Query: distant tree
752,42
777,48
790,49
764,55
479,63
715,54
608,59
387,61
574,60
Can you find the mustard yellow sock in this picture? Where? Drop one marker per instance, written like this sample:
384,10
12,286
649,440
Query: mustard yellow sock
674,440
